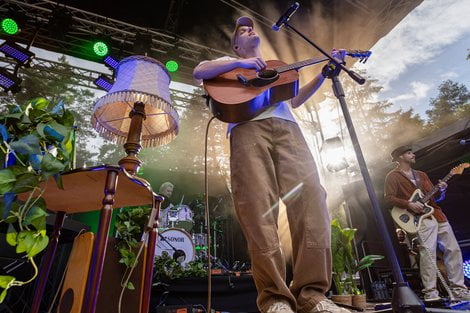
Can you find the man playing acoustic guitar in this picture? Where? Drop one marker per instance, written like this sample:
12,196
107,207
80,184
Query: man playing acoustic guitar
269,161
435,231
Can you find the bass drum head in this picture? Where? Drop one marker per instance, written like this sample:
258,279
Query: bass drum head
176,243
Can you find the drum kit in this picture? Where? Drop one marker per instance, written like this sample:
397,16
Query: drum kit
176,236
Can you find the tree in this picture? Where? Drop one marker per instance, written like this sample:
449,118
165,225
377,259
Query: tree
379,128
451,104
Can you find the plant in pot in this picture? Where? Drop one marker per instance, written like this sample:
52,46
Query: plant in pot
341,250
359,297
36,143
346,267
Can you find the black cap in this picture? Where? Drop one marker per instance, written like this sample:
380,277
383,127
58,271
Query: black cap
399,151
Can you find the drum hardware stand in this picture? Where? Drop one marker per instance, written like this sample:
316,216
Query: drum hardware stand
404,300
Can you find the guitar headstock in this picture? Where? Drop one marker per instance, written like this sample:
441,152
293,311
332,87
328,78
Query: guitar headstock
459,169
362,55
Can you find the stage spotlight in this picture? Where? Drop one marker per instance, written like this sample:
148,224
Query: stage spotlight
17,52
9,81
9,26
100,48
110,62
104,82
333,154
466,268
172,66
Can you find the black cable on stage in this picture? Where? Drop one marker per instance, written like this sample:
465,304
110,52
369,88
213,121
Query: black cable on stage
207,220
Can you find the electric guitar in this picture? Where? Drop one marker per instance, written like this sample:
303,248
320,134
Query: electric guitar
410,221
242,94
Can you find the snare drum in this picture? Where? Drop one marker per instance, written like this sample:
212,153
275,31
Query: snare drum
176,243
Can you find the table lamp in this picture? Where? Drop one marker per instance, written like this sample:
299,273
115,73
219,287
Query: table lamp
137,110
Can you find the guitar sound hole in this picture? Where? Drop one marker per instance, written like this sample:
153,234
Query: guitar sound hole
404,218
268,74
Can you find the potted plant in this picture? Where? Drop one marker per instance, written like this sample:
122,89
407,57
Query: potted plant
36,143
341,250
346,267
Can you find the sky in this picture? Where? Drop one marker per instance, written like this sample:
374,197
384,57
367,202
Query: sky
427,47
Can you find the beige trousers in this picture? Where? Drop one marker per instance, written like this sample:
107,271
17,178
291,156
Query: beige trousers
271,160
439,235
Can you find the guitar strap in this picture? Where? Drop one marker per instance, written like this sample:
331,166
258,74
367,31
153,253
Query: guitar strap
416,179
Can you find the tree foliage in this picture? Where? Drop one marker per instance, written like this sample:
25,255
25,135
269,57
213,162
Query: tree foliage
451,104
378,126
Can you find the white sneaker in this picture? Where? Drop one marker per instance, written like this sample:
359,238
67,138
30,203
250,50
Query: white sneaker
462,294
328,306
279,307
432,296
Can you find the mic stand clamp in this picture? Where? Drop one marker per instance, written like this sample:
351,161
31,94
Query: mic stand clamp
404,300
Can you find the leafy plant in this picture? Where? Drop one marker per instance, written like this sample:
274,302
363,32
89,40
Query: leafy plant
345,265
167,268
129,229
36,143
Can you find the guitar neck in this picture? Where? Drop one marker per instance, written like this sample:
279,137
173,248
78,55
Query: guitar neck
362,55
298,65
435,189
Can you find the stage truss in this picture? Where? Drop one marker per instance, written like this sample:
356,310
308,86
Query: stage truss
85,26
53,70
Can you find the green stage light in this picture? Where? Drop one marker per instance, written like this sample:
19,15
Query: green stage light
100,48
9,26
172,66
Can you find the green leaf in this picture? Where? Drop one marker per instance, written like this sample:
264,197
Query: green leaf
40,129
19,169
37,217
40,243
26,182
67,119
3,295
130,286
16,116
40,103
5,281
25,241
7,180
27,145
58,181
11,236
50,165
57,128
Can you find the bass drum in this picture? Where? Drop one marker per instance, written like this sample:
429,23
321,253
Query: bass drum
176,243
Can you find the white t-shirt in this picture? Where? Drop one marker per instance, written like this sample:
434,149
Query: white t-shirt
279,110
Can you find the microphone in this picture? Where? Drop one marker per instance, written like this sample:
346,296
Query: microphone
464,142
286,16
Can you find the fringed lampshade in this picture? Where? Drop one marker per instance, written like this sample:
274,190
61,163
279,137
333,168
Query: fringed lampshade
137,111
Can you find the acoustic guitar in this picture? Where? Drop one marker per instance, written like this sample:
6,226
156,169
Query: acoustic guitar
242,94
410,221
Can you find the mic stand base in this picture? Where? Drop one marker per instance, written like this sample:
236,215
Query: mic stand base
404,300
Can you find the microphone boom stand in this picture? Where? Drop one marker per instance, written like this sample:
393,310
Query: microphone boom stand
404,300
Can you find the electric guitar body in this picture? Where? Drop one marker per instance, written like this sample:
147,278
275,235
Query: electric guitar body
410,221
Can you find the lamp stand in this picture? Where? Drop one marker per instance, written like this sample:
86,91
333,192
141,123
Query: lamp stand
131,163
